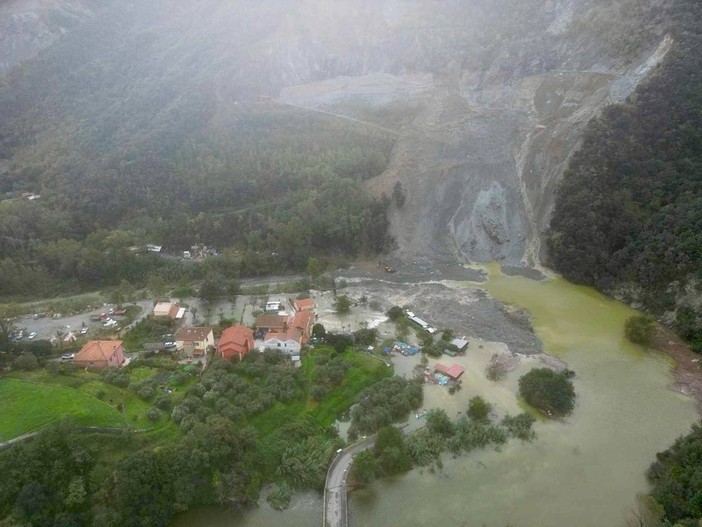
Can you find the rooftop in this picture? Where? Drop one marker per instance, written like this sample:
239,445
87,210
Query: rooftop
97,350
305,303
185,333
455,371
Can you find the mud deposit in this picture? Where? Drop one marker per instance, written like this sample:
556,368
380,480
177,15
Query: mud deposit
585,470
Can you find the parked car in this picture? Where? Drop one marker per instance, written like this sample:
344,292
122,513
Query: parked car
32,335
67,356
83,331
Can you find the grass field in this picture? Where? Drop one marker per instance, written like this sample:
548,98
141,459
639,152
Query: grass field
83,395
29,406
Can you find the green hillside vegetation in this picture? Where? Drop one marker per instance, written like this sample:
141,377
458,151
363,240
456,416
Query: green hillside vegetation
125,151
29,406
676,476
629,210
38,398
279,188
215,440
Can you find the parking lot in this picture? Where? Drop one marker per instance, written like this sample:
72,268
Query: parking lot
48,327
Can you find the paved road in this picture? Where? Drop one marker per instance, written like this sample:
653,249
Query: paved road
335,506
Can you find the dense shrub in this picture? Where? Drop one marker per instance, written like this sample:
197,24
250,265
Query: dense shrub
520,426
640,329
153,414
116,376
365,468
279,498
26,361
548,391
385,402
479,409
676,476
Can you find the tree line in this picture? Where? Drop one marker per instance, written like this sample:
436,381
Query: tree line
273,183
628,215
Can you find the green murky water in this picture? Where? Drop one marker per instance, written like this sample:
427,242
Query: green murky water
582,472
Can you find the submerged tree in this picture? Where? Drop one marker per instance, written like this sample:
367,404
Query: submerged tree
548,390
640,329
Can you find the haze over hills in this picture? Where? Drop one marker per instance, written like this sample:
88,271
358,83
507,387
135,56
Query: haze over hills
500,93
292,137
156,117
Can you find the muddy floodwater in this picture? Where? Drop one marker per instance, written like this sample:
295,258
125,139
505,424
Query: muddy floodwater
584,471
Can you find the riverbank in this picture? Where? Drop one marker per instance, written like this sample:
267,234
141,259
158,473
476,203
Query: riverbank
687,372
588,467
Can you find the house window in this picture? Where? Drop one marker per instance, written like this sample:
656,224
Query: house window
278,344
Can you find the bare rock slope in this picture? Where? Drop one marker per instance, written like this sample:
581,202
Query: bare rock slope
29,26
500,95
487,98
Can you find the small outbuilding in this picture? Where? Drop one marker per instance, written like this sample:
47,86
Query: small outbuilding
461,344
167,310
454,372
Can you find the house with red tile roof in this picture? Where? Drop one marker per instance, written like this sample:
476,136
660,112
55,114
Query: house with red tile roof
194,341
266,323
455,371
101,354
302,322
235,341
293,337
306,304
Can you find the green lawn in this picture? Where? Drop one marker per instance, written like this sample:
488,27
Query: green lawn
84,386
29,406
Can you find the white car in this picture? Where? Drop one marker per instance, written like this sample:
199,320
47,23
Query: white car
67,356
83,331
32,335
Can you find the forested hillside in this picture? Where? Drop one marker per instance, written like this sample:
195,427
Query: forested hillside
127,139
675,476
628,215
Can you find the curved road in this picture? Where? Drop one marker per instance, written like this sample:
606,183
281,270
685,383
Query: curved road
335,508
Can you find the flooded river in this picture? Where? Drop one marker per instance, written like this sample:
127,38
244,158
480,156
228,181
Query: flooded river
585,471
